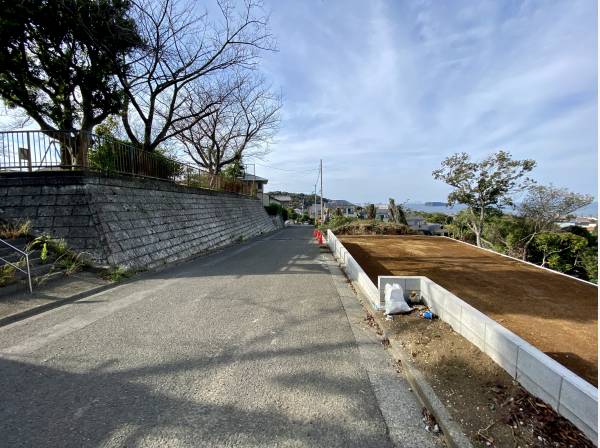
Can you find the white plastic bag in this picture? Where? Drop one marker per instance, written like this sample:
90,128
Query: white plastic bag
394,300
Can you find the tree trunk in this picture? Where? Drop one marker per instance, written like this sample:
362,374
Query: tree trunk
82,144
478,238
526,246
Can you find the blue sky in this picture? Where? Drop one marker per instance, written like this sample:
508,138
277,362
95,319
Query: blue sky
382,91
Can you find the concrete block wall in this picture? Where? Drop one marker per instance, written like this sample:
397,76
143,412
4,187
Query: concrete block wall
353,270
570,395
132,222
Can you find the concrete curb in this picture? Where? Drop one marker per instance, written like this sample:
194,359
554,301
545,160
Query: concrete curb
400,407
453,433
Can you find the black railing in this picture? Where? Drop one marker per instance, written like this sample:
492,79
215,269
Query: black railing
29,151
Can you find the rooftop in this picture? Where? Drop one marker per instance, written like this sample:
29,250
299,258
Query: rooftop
339,203
250,177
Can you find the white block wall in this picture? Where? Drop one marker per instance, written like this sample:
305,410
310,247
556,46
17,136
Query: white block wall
353,270
571,396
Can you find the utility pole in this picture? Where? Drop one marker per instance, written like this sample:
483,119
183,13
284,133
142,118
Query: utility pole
321,175
315,208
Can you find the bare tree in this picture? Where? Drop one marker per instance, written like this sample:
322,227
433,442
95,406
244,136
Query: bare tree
371,211
244,119
396,212
184,48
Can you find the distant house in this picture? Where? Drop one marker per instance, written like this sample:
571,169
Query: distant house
420,224
588,223
267,199
257,181
283,200
382,213
347,208
314,210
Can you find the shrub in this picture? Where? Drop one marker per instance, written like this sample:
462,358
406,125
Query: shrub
119,157
372,227
276,209
338,221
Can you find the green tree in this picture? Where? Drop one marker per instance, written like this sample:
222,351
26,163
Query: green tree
59,60
437,217
560,251
483,186
235,169
543,206
506,233
459,228
589,262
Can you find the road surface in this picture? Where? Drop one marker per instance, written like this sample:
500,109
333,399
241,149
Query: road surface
249,347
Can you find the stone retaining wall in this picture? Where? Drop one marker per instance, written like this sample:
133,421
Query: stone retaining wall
132,222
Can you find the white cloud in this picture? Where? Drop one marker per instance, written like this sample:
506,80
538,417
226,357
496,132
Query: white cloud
382,91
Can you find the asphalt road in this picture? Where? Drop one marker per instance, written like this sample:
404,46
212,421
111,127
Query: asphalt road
250,347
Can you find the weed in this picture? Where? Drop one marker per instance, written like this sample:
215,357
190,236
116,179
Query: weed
11,231
7,274
71,262
118,274
44,254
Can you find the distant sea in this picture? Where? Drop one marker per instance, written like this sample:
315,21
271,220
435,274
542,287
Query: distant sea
589,210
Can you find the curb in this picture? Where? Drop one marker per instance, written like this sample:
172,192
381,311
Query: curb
12,318
451,430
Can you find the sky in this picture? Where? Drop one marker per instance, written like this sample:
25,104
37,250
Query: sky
383,91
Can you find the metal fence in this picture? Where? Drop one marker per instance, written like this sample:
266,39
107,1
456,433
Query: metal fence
29,151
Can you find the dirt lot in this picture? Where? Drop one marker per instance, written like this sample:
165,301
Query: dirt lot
555,313
492,409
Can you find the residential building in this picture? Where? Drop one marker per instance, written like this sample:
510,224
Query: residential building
257,181
420,224
315,210
382,213
283,200
347,208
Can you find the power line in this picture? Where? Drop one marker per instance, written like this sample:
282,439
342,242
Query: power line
289,171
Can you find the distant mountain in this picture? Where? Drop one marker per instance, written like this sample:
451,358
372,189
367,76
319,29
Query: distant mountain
299,198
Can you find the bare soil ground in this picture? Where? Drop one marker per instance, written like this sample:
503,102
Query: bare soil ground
492,409
555,313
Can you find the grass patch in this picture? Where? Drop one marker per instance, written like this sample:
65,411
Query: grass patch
118,274
11,231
